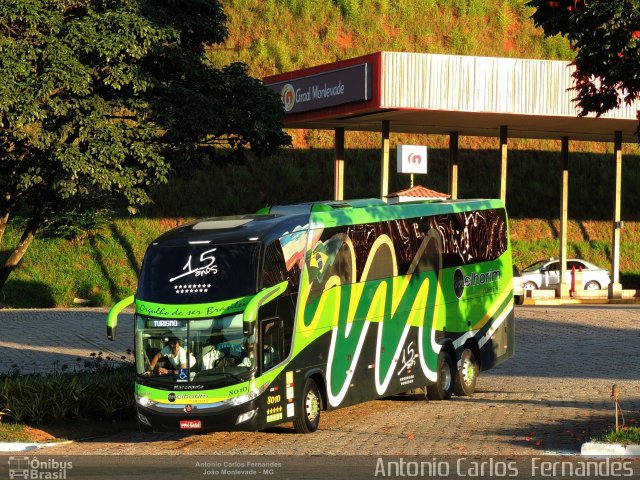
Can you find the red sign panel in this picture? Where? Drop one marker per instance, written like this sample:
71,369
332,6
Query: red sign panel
326,89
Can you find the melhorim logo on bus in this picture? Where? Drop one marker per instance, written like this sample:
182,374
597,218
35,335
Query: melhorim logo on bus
291,96
462,281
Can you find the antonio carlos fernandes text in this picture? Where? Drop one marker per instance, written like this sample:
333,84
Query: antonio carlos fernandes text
467,467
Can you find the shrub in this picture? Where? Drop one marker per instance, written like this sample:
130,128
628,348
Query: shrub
105,393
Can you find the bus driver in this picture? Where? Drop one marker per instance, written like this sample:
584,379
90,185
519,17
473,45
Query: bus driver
175,355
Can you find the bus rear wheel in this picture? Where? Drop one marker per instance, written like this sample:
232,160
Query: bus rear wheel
465,383
309,409
443,388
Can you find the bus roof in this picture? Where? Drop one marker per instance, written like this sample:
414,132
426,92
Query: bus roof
273,222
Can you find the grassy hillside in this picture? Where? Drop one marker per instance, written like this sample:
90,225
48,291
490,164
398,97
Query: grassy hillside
102,266
273,36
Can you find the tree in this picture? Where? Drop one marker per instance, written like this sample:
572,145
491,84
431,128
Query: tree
99,97
606,37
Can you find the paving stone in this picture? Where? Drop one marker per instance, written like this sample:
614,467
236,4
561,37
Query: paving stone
551,397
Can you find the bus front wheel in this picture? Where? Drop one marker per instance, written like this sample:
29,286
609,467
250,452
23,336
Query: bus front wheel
443,388
465,383
308,417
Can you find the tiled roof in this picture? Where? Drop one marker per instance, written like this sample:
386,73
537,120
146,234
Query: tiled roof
418,192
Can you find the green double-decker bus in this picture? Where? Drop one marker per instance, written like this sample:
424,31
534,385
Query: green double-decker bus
249,321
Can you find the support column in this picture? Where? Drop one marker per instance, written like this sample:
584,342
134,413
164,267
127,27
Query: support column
453,164
384,163
615,288
338,178
503,163
563,287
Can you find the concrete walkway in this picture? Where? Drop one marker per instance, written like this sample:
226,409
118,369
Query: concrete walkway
51,340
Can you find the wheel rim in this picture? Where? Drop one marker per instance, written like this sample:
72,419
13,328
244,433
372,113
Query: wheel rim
468,372
312,406
445,377
592,286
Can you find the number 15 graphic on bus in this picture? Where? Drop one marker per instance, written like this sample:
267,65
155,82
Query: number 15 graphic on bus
201,270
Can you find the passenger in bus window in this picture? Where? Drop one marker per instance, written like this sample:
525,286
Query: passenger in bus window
175,358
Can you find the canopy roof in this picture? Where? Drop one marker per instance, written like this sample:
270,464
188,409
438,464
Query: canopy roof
427,93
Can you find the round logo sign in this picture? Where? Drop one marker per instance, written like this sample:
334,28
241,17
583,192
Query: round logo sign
288,95
172,397
415,159
458,283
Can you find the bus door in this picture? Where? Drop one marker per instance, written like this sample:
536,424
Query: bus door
271,347
271,343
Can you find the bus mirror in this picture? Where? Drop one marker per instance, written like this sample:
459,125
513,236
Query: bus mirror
265,296
248,328
112,318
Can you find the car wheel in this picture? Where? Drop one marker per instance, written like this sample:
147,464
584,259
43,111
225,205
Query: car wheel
310,405
443,388
529,286
465,383
592,285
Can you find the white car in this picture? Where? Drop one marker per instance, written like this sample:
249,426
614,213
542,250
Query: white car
546,274
518,289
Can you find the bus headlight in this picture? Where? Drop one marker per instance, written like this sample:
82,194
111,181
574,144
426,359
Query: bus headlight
144,401
240,399
246,397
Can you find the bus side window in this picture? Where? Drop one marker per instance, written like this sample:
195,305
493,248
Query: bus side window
283,307
275,270
271,343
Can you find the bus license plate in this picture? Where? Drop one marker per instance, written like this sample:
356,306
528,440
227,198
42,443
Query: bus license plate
190,424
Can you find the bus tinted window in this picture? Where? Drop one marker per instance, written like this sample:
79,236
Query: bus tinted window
199,273
465,238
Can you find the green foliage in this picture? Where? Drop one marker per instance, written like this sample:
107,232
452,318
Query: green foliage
606,36
350,9
11,432
321,32
476,8
104,394
626,436
98,98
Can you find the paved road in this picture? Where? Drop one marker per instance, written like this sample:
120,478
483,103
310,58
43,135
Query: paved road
51,340
551,397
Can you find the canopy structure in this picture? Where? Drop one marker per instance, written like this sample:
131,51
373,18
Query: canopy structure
455,95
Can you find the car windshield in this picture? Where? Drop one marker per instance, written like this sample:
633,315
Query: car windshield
212,350
535,266
190,274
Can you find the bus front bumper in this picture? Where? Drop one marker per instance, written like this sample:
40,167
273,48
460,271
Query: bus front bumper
194,419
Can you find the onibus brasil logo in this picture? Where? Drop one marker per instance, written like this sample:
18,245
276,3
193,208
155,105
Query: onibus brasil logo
34,468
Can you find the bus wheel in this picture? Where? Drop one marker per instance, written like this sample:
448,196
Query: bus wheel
443,388
465,383
309,413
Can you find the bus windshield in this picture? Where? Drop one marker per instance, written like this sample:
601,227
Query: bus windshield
212,350
199,273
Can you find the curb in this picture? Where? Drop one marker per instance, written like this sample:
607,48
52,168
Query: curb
580,301
609,449
25,447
